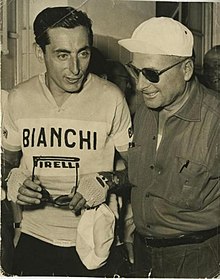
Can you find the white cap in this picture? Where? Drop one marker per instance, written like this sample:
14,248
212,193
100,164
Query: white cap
95,235
160,35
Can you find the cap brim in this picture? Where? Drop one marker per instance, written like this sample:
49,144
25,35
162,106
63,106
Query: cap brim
132,45
140,46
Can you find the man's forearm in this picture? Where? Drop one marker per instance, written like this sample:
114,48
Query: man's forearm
17,213
118,180
9,160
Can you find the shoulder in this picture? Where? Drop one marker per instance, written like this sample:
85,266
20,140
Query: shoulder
25,91
27,86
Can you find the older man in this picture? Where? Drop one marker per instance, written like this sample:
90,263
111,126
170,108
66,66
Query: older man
174,160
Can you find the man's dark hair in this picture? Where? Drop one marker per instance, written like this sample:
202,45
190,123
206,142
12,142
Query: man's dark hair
66,17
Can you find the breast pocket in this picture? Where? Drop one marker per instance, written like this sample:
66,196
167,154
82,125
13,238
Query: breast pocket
191,179
134,157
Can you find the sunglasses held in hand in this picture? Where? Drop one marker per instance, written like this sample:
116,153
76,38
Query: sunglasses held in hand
60,201
63,200
151,74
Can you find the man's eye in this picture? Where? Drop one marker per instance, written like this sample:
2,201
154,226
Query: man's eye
84,54
63,56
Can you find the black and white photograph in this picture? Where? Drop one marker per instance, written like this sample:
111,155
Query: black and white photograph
110,139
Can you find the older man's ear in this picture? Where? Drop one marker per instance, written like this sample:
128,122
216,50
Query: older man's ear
188,68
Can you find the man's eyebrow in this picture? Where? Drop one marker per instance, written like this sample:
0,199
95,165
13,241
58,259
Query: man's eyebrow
68,51
84,48
62,50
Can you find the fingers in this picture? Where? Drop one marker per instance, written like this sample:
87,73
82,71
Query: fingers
28,193
77,202
34,185
129,247
36,180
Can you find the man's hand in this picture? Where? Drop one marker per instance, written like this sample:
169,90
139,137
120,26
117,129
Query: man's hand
29,192
130,251
93,188
77,202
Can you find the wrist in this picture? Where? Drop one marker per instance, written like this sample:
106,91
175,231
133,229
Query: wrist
110,178
116,179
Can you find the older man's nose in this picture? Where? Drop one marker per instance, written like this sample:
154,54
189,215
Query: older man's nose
142,82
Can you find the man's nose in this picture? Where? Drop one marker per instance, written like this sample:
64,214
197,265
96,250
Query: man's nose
74,65
142,82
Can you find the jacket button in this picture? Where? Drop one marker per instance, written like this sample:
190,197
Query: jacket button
152,166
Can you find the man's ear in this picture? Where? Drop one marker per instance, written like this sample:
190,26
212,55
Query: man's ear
39,53
188,69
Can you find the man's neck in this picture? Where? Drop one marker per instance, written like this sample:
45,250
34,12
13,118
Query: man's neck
167,112
173,108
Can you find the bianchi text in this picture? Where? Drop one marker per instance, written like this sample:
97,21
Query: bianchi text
58,137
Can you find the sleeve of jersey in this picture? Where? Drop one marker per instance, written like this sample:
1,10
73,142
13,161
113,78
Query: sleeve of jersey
10,134
122,131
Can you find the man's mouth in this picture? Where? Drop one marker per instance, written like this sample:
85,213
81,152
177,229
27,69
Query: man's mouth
150,95
72,80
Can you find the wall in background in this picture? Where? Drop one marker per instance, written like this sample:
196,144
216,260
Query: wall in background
112,20
216,24
8,59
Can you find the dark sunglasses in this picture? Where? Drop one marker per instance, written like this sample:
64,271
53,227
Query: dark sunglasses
60,201
151,74
63,200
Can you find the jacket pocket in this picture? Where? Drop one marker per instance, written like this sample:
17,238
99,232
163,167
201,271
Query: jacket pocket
188,184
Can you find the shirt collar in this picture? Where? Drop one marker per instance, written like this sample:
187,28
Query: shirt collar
191,110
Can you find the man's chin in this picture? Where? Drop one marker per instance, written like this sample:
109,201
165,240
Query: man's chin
77,88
